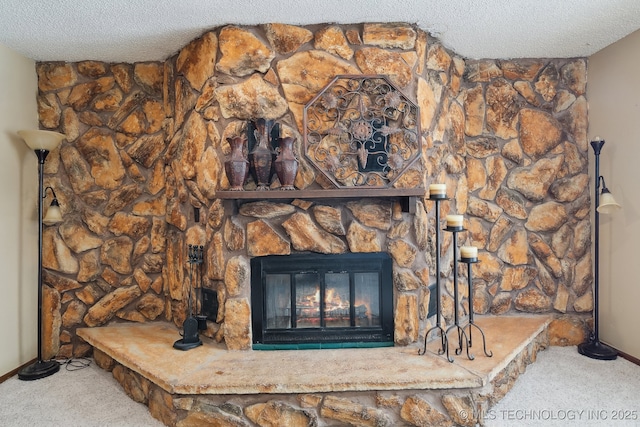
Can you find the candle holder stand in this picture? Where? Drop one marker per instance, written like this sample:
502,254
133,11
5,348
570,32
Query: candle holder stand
469,262
444,347
456,298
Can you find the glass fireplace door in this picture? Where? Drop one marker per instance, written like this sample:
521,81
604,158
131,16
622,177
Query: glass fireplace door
337,301
278,301
323,299
367,301
307,301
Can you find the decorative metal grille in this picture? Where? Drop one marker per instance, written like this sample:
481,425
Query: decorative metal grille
361,131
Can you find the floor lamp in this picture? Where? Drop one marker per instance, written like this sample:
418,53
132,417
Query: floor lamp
42,142
605,203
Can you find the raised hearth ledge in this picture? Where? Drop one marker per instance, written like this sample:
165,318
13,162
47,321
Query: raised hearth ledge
210,369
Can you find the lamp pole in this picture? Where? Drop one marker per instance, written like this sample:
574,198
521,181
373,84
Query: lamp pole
41,142
593,348
41,368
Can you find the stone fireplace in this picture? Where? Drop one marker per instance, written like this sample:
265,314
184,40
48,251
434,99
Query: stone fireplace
140,177
146,144
315,301
314,232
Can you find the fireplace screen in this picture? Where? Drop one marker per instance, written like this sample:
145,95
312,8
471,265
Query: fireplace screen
312,299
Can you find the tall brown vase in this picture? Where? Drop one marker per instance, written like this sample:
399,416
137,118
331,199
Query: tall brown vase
286,164
261,157
237,166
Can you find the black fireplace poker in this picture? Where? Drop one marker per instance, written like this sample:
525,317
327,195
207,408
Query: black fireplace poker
190,337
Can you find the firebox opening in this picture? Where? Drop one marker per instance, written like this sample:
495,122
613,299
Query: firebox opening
304,301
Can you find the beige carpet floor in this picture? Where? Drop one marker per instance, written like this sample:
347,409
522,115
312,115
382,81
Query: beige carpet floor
562,388
72,397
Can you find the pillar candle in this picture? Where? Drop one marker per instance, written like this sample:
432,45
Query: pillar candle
469,252
437,189
454,220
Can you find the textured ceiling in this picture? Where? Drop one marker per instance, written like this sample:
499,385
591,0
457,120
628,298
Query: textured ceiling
144,30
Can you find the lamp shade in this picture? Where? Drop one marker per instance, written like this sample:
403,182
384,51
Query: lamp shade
41,139
607,203
54,214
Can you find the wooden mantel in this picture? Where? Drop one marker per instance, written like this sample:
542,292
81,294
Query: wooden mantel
406,196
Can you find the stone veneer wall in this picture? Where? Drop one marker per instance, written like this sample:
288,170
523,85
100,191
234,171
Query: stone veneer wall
146,143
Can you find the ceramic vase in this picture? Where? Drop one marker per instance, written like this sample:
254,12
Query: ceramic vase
286,164
261,157
237,166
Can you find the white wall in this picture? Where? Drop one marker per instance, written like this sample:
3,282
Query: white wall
613,92
18,212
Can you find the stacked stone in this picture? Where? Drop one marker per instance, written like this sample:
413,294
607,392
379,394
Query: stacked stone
435,407
146,144
105,260
527,184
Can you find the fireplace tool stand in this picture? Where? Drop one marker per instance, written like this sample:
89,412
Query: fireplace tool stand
469,262
190,338
456,298
444,347
201,317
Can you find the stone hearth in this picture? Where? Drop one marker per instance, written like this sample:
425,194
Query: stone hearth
210,385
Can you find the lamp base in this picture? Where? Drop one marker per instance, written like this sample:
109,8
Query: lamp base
39,369
597,350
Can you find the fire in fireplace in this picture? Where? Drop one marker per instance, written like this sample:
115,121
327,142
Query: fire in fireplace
322,301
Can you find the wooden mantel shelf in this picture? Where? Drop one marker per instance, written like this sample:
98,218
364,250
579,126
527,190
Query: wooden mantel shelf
404,194
322,194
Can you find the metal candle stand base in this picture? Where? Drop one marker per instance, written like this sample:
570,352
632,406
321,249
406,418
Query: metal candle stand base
456,298
438,328
463,337
471,323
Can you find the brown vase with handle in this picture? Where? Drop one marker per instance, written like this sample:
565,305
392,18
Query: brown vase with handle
261,157
286,164
237,166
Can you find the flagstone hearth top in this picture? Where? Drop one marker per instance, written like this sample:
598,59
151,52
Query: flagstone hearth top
211,369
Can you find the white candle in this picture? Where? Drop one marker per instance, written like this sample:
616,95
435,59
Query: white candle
454,220
438,190
469,252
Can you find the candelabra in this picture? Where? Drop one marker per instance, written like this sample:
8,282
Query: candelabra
455,228
469,256
437,194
